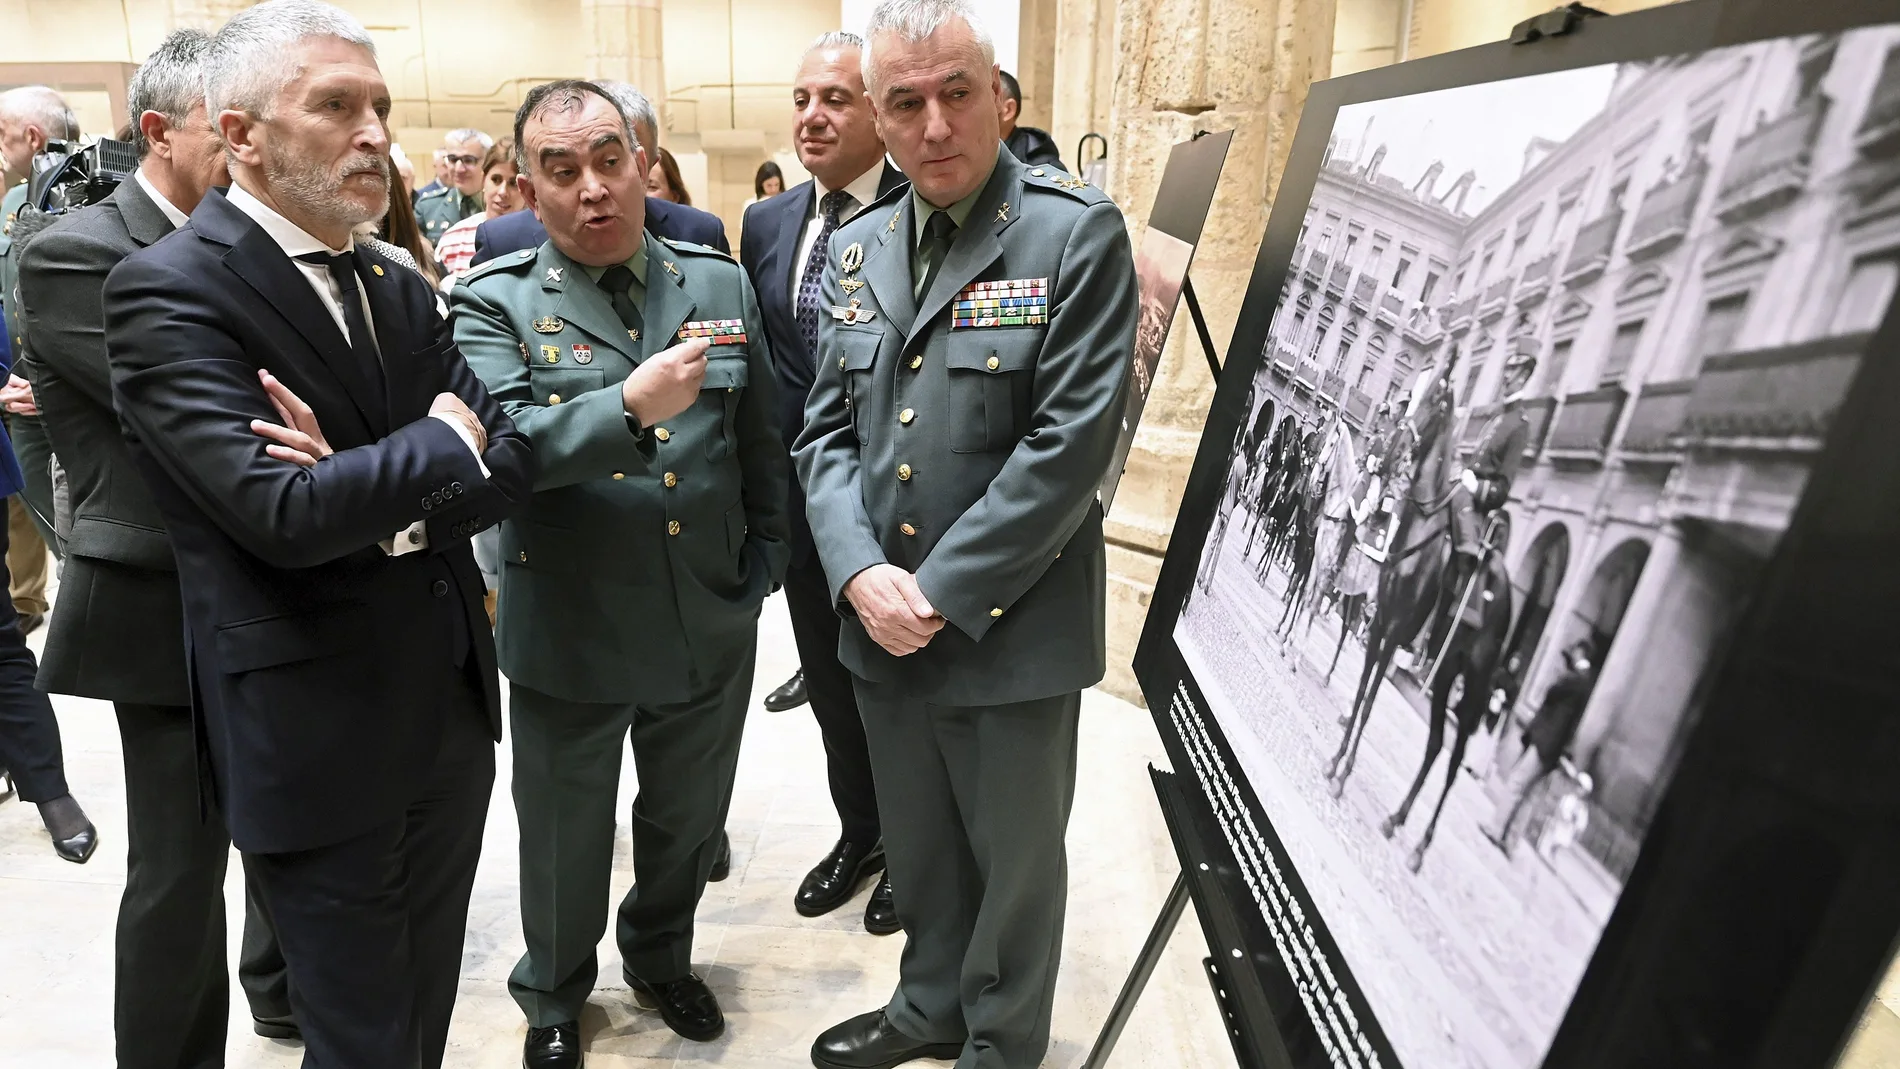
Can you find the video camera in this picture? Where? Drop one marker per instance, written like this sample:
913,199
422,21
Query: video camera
66,177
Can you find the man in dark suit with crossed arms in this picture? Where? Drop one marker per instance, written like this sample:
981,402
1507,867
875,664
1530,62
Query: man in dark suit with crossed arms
783,248
343,676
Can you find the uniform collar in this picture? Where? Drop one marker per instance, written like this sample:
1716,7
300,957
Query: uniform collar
637,263
922,209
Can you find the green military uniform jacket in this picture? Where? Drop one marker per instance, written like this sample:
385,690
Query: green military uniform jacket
445,207
637,570
971,454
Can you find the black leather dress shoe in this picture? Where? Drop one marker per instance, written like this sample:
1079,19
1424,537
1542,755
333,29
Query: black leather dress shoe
79,848
880,914
686,1005
832,883
871,1041
557,1046
284,1027
722,861
790,694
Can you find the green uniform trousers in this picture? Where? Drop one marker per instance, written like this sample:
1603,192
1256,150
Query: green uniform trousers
566,783
975,803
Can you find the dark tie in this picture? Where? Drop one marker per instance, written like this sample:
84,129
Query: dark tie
618,282
939,232
342,268
807,308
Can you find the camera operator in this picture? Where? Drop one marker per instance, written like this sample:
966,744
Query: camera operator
30,116
118,634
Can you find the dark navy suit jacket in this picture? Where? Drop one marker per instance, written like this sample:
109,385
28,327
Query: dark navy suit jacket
521,230
768,250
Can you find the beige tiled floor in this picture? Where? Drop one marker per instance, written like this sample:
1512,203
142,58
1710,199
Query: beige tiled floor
781,978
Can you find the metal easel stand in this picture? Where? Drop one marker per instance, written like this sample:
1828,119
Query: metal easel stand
1200,327
1138,977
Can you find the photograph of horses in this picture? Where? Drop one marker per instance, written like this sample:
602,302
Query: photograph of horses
1544,383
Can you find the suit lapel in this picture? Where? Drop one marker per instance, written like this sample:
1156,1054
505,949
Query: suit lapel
791,228
887,267
668,304
145,221
976,246
390,321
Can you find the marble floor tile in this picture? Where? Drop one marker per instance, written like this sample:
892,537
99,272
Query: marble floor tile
782,978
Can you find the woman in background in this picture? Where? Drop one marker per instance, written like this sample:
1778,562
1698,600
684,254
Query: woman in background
499,197
769,181
399,230
663,180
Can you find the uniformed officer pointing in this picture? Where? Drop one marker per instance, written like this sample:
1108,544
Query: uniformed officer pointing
976,329
631,584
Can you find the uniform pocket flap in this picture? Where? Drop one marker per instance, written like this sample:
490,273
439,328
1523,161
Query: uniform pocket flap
991,355
543,547
274,640
726,372
857,349
103,538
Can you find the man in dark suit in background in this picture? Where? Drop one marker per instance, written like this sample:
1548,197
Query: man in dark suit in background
1031,145
521,230
783,249
119,632
343,674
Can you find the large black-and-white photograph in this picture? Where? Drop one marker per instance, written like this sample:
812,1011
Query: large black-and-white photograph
1545,381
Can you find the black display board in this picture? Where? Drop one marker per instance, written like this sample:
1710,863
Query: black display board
1161,271
1668,832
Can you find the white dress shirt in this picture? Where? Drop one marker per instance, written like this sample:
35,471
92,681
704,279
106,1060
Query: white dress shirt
296,242
177,217
863,190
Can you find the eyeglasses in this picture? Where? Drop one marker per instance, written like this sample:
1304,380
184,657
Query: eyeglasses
457,160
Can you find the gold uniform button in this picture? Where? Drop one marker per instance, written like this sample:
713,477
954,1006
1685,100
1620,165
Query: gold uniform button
841,363
903,473
906,416
672,527
671,480
996,612
524,556
994,363
908,529
554,398
620,475
916,362
662,433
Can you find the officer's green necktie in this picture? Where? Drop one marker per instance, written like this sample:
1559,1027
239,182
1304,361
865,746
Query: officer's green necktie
939,231
618,281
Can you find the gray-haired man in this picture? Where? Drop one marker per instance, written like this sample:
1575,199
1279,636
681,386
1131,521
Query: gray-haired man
461,196
119,631
974,339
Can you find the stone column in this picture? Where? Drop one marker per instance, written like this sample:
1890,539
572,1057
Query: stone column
622,43
1182,66
1036,62
1084,70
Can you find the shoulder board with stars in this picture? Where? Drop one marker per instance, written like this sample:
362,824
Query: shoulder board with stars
693,247
1057,179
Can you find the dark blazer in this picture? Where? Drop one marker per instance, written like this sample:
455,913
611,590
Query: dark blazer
768,250
521,230
118,633
321,666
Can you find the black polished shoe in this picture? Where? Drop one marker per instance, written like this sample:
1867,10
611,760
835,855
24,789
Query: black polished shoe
686,1005
835,879
284,1027
880,914
871,1041
558,1046
790,694
78,849
722,861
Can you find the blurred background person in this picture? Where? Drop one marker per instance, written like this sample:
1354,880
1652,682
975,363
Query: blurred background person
400,230
767,182
439,169
119,633
1032,146
663,180
461,195
499,197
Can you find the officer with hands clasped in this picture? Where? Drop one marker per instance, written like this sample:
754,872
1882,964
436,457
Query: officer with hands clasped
631,584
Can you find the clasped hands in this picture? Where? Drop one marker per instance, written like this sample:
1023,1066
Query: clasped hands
299,439
893,609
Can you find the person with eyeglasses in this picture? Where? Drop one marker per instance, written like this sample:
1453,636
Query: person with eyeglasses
463,150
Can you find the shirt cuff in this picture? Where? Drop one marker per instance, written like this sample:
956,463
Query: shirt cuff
461,431
411,539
